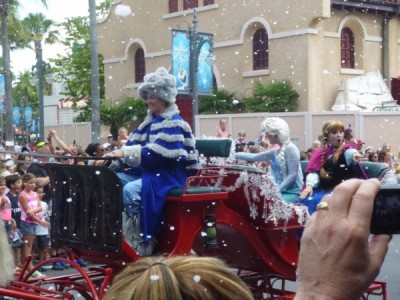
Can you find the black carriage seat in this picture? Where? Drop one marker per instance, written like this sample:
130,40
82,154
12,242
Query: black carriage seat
86,209
371,169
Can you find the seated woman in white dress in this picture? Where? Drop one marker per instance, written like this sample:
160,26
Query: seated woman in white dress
284,160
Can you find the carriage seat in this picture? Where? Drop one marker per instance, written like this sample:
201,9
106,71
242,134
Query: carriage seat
199,183
371,169
188,209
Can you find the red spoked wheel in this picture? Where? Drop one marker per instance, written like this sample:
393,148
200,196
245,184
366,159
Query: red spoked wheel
86,284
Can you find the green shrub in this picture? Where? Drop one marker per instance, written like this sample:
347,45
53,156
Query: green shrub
222,102
276,97
123,112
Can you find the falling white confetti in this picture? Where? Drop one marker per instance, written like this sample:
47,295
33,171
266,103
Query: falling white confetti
123,10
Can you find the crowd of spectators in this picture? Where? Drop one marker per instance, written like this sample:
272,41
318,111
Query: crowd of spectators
25,193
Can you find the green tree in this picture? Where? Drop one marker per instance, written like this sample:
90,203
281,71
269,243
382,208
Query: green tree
40,32
222,102
103,9
276,97
73,69
8,12
122,113
25,93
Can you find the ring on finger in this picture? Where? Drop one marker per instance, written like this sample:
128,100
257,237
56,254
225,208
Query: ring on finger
323,206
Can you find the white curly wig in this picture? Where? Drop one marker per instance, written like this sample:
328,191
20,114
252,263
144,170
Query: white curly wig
276,126
161,84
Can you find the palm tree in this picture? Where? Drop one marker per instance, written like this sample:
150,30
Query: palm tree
7,10
40,30
25,93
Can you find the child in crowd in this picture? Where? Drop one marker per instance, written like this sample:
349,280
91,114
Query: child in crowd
42,232
240,144
14,183
223,129
30,207
122,135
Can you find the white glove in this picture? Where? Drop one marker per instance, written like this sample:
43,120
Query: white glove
132,155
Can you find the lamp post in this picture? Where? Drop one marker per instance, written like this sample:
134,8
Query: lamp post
40,68
196,43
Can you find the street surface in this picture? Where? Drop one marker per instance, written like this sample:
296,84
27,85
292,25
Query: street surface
390,271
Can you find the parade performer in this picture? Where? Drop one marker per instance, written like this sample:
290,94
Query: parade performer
159,152
335,162
285,160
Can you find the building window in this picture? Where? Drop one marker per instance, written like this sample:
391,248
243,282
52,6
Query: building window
140,66
260,49
208,2
188,4
173,6
347,48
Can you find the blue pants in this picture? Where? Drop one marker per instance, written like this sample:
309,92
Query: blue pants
131,193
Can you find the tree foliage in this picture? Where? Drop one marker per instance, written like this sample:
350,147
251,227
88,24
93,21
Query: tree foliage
222,102
73,68
122,113
275,97
39,29
103,9
25,93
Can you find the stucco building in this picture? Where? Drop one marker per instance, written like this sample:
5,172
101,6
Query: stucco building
313,43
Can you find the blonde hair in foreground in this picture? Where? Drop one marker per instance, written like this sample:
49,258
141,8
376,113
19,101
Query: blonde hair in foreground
178,278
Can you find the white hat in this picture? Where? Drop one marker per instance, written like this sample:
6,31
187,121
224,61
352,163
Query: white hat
105,145
5,173
9,163
161,84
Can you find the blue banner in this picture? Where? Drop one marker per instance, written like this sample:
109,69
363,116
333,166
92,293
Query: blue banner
28,116
204,72
34,126
181,60
16,116
2,95
181,68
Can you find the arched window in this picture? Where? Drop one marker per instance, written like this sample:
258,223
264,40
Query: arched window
140,65
173,6
260,49
347,48
188,4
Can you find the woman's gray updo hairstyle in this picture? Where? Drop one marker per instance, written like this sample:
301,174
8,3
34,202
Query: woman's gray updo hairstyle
276,126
